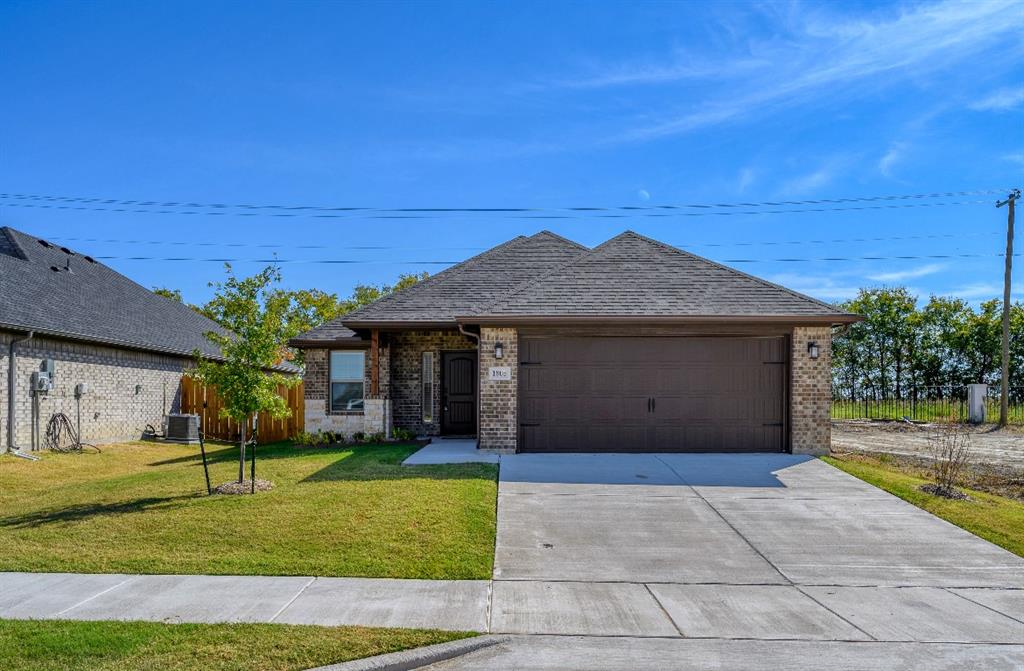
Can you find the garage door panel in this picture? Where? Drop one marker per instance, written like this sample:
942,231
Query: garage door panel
709,394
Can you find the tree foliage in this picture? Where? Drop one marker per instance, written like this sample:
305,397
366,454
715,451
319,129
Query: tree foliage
901,346
299,309
254,341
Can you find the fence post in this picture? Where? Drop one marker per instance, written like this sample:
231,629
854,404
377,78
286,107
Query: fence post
976,394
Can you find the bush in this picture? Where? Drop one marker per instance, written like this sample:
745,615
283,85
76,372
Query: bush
358,437
376,438
403,435
950,447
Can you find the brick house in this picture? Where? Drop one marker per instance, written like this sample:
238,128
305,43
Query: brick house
543,345
94,327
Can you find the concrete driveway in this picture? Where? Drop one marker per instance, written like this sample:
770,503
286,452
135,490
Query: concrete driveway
697,561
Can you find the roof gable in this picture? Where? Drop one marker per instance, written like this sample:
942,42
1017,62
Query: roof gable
86,300
635,276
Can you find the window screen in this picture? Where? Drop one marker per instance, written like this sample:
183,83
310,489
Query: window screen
347,380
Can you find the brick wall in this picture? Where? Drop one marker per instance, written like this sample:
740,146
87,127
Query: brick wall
811,392
499,429
406,376
400,383
112,410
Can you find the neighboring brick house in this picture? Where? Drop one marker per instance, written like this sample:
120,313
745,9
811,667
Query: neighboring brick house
543,345
127,345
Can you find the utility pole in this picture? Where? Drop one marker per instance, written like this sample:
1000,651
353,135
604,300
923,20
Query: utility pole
1004,390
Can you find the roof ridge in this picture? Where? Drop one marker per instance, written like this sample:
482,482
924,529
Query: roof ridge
556,236
19,252
447,272
513,290
708,261
590,251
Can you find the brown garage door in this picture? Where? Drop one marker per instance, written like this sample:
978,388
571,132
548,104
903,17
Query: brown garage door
647,394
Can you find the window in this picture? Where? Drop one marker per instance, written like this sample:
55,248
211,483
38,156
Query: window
347,370
427,376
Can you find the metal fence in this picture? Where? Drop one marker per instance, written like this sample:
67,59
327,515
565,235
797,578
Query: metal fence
919,404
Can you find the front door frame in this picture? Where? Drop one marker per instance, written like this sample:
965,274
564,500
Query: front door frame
474,355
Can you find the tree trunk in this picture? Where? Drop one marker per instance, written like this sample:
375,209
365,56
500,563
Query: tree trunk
241,455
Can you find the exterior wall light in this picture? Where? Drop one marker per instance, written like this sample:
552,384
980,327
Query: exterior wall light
138,389
499,350
813,350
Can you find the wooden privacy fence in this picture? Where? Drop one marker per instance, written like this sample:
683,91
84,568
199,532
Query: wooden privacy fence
203,400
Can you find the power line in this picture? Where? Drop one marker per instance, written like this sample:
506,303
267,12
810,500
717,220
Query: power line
294,209
481,210
752,243
193,243
582,213
366,261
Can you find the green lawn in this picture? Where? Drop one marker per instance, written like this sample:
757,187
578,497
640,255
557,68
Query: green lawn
143,508
61,645
997,519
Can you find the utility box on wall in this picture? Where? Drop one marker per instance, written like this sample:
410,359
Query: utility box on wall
976,394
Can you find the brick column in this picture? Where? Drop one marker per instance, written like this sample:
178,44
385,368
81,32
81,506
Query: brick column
499,427
811,391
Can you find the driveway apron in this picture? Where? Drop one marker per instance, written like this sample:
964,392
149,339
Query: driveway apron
737,547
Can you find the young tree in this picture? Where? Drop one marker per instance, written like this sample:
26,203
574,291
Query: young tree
254,341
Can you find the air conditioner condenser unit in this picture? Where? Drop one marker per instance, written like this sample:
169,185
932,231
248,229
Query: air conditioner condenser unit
180,428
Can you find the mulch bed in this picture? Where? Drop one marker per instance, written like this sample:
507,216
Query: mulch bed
945,492
245,487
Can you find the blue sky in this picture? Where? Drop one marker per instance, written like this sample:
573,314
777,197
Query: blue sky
540,105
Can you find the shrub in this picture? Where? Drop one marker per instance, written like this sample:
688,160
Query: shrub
403,435
376,438
950,447
358,437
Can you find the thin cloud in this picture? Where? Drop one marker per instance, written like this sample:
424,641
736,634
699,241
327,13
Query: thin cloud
686,69
815,180
902,275
828,54
823,287
979,291
1002,100
896,153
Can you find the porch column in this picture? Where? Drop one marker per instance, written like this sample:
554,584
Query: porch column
375,363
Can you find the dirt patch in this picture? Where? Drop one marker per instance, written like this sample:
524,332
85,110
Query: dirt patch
999,449
999,480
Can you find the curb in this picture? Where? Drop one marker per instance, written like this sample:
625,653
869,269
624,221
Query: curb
407,660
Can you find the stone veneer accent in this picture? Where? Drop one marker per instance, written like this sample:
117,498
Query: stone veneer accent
811,391
499,417
111,411
376,414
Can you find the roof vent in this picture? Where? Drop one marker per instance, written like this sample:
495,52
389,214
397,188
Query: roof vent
67,251
89,259
44,243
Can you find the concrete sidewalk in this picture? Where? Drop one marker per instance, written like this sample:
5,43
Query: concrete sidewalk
459,605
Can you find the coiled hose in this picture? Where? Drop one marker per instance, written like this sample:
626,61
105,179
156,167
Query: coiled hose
61,435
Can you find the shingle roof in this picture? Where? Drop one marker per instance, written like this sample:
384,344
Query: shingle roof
458,290
635,276
547,276
90,301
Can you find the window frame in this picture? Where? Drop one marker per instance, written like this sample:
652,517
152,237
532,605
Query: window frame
427,384
331,381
